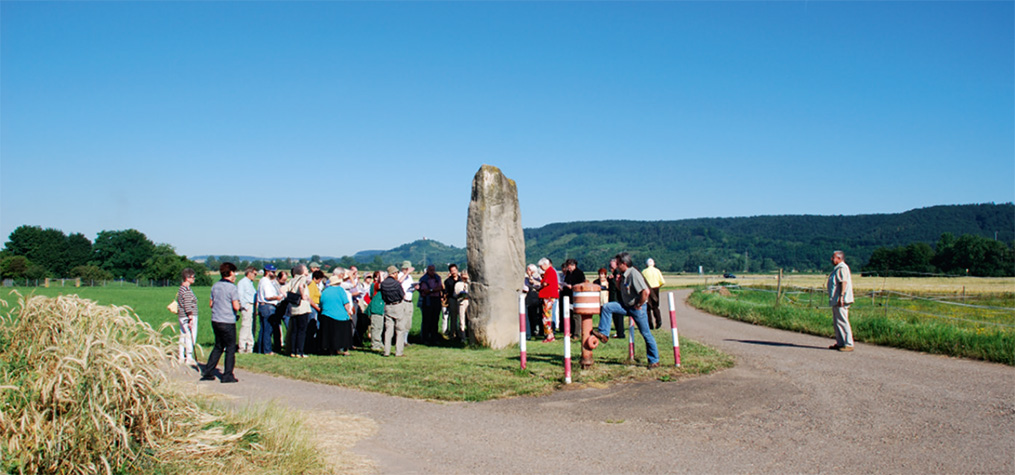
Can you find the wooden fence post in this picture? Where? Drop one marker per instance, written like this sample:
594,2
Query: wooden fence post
778,289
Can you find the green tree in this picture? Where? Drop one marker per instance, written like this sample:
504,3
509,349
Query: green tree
90,274
122,253
977,255
46,248
79,250
165,267
15,267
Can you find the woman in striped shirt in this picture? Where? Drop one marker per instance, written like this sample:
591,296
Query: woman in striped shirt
186,310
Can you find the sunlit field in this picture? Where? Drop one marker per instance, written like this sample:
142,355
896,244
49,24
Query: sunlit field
919,285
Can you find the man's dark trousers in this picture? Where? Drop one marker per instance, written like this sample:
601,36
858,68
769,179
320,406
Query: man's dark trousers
429,327
225,340
655,317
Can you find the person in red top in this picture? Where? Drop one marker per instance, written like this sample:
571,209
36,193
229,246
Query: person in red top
549,292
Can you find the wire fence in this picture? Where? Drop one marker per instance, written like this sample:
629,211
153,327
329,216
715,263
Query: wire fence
817,300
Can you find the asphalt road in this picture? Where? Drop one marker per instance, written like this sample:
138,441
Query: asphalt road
789,406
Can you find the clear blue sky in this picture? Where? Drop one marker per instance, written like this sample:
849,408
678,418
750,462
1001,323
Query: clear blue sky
299,128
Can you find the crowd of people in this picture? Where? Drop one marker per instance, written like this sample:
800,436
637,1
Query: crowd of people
306,311
624,292
309,312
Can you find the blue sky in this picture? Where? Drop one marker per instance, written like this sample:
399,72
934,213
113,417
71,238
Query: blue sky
291,129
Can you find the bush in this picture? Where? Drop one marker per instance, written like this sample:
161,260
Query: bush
90,274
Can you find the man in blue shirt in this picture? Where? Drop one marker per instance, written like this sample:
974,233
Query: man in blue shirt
225,302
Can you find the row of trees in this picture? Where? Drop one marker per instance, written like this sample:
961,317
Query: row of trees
966,255
35,253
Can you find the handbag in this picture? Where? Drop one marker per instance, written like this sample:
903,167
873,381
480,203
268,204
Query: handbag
293,298
173,307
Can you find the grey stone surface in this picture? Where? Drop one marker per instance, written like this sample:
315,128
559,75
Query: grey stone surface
496,258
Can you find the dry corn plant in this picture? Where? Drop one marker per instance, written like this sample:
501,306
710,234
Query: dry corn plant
82,392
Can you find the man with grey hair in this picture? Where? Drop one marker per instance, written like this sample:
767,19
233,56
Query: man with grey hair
396,325
840,297
655,281
634,292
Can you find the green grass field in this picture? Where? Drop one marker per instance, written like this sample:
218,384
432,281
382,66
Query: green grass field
451,372
977,326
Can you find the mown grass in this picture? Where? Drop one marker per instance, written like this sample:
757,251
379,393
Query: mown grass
913,324
445,373
83,391
455,373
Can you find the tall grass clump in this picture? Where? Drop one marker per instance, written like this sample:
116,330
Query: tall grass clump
83,391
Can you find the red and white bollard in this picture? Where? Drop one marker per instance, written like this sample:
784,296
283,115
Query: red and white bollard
673,328
567,340
521,327
630,340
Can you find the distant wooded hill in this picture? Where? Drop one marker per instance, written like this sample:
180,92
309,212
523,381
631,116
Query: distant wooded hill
754,244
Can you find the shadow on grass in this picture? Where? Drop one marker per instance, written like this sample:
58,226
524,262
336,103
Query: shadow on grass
776,343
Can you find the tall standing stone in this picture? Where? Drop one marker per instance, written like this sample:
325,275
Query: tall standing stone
496,255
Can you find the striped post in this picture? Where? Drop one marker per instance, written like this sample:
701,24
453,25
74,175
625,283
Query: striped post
521,327
673,328
567,341
630,340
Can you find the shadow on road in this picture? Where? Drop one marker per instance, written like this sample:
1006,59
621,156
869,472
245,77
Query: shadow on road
776,343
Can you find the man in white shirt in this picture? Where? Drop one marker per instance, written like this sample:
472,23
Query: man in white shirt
408,286
840,297
268,296
247,296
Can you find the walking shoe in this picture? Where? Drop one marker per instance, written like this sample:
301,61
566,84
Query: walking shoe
207,377
846,349
653,365
834,347
549,339
600,336
229,379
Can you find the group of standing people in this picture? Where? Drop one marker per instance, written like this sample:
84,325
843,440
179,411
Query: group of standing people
327,314
624,292
309,312
448,298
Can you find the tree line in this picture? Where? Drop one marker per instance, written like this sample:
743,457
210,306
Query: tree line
32,252
965,255
920,241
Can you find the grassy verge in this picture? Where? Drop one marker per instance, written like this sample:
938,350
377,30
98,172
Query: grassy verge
478,374
82,391
445,373
978,333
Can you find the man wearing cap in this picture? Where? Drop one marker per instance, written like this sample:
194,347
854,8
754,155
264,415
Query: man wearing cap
655,281
396,325
268,297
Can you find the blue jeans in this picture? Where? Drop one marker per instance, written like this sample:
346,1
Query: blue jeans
640,317
263,343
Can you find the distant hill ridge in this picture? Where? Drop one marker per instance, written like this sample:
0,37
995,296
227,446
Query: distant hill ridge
757,243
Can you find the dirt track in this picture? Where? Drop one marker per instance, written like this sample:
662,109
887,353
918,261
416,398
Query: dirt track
790,405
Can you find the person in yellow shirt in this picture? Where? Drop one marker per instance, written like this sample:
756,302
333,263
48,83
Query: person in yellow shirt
655,280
